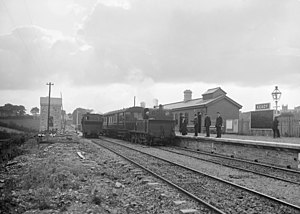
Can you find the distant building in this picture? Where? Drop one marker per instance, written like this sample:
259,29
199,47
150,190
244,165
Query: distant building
285,109
55,119
213,100
297,109
77,116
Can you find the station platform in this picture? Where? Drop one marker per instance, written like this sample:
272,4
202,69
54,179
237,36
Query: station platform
282,152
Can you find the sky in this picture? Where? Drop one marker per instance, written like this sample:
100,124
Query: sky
101,53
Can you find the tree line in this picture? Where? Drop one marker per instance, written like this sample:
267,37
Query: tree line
10,110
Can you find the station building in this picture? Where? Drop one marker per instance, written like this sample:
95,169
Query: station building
212,101
55,120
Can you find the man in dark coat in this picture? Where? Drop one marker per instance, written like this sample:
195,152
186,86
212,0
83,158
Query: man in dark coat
184,126
207,124
196,124
219,123
275,128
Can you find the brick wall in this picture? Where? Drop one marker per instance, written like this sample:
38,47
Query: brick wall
283,156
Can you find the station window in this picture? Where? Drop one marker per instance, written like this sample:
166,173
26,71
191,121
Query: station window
186,115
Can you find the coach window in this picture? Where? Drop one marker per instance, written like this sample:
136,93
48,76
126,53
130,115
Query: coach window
121,117
137,116
127,116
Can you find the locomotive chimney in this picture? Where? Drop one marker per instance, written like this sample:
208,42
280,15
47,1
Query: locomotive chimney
187,95
155,103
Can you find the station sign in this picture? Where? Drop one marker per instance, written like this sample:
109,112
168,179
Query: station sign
262,106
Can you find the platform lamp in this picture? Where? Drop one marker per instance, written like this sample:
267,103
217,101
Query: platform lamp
276,94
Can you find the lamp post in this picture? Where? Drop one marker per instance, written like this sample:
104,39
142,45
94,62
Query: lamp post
276,94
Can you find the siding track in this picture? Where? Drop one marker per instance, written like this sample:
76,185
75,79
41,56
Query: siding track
287,175
224,196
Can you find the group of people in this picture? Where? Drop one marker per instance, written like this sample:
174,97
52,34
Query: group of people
218,125
207,124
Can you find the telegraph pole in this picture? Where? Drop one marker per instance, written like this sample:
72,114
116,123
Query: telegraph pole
49,105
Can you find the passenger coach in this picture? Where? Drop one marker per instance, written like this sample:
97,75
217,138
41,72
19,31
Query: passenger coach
140,125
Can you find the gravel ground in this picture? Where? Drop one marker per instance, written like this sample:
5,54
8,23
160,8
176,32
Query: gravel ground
52,178
278,189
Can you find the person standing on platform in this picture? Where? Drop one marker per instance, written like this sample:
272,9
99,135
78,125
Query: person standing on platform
184,126
196,125
207,124
275,128
219,123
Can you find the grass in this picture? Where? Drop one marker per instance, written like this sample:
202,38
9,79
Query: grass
47,178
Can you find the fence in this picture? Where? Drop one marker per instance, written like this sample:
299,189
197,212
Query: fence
289,126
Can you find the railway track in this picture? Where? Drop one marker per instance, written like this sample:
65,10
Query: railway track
218,195
287,175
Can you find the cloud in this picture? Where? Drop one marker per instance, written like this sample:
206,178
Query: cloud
247,43
31,55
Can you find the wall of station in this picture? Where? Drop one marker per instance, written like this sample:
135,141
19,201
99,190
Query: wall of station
280,155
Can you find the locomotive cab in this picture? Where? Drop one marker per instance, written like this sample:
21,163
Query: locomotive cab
156,127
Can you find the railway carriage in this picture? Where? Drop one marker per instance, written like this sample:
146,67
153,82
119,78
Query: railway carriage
119,123
92,125
140,125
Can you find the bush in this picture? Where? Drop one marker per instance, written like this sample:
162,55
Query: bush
10,148
4,135
15,126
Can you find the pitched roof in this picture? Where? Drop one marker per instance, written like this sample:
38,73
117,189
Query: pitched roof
213,90
198,102
189,103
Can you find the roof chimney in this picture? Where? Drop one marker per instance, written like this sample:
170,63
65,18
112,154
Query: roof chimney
187,95
143,104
